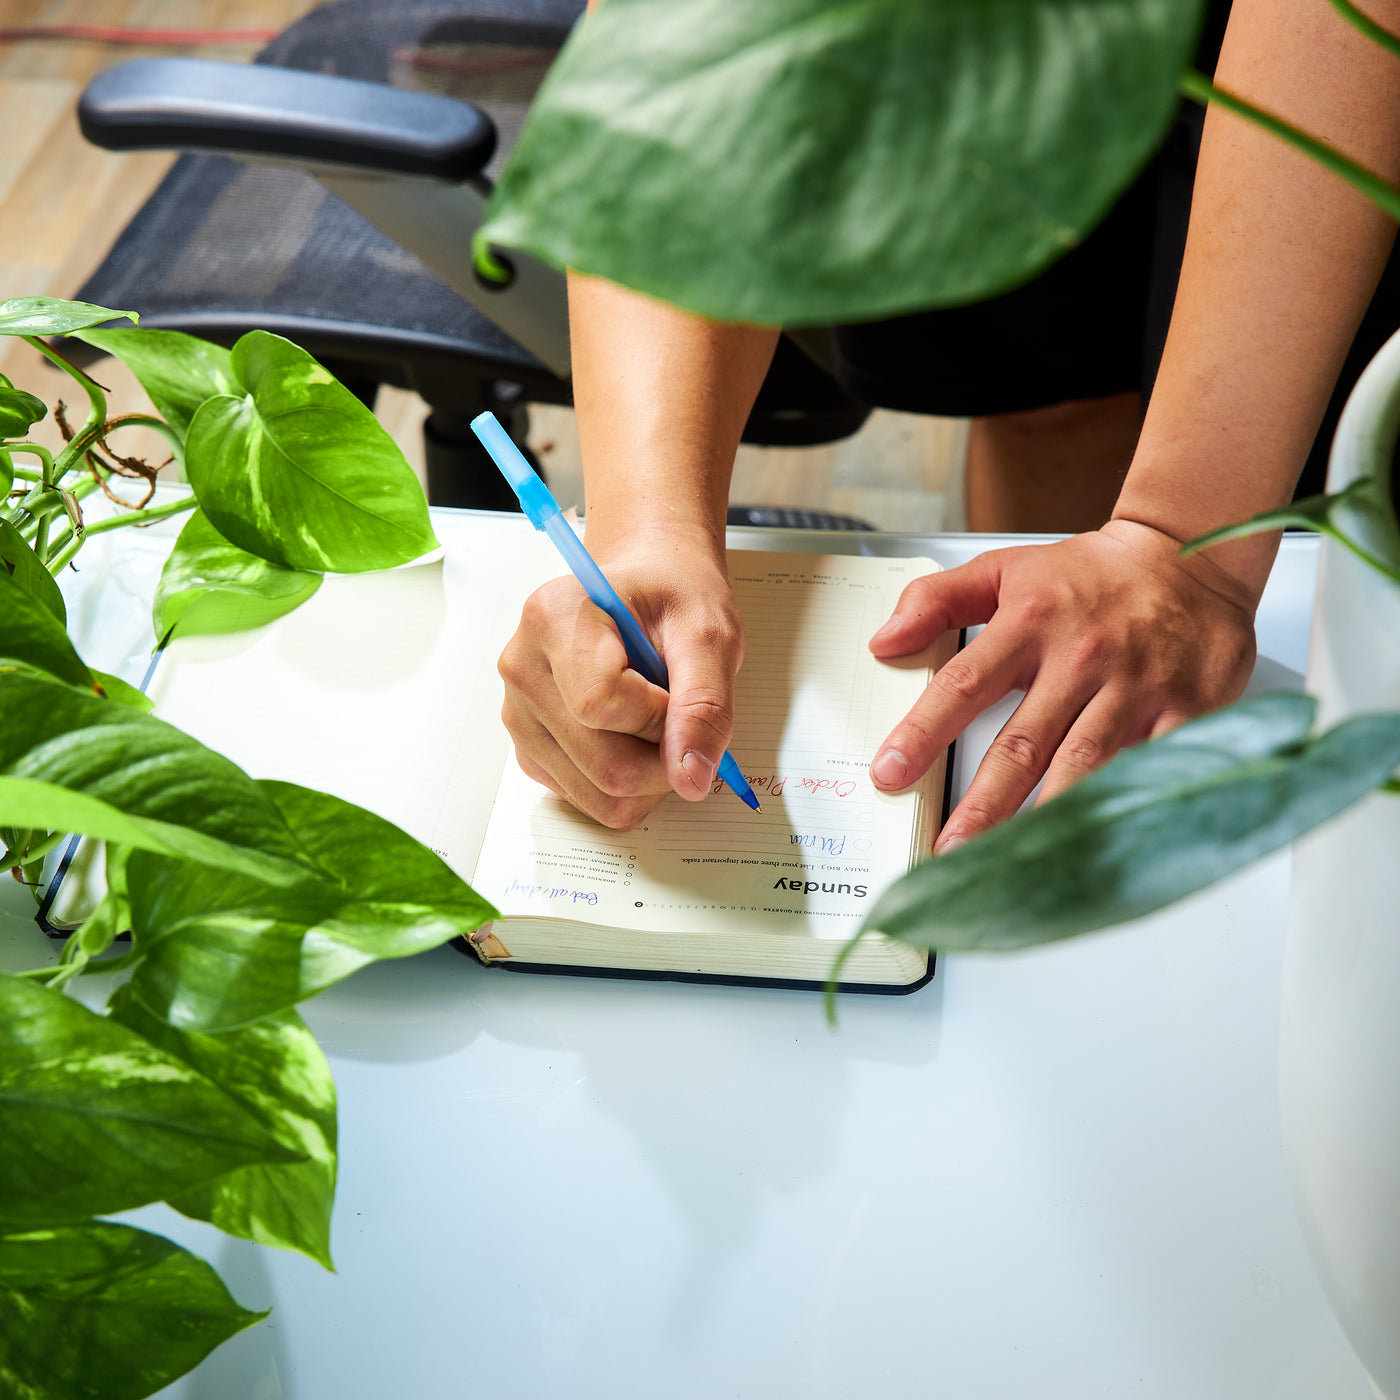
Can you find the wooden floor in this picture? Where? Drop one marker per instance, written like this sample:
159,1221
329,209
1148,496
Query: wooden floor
63,203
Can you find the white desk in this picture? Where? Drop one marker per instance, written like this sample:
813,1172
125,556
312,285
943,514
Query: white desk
1048,1174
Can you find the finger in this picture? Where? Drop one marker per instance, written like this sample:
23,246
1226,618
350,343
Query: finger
546,761
939,602
978,676
700,711
597,685
1015,761
1109,721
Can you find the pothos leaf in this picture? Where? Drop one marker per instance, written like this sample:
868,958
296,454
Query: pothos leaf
276,1072
210,585
809,161
52,316
31,635
23,566
222,951
102,1309
178,371
95,1119
296,470
18,410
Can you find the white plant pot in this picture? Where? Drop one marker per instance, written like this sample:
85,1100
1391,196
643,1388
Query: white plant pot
1339,1070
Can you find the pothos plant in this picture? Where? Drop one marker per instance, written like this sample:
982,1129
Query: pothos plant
198,1084
812,162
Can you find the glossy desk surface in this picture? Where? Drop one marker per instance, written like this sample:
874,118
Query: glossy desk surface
1049,1174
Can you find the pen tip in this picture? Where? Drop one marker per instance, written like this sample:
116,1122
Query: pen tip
757,808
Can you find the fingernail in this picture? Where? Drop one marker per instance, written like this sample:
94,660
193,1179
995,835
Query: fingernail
699,770
949,843
889,768
892,625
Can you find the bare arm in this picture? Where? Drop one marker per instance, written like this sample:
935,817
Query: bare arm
1112,635
662,399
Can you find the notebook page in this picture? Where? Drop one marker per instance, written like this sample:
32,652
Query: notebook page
811,704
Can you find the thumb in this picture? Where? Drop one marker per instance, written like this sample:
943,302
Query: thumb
938,603
699,713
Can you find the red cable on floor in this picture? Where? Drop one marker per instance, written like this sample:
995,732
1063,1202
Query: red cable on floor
154,37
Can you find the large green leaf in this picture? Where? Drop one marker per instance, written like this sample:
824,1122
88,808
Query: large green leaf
31,635
18,410
101,1311
297,470
51,316
789,161
210,585
72,762
23,566
178,371
96,1119
275,1071
1159,822
223,951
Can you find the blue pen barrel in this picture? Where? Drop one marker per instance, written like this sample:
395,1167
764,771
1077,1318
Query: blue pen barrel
640,652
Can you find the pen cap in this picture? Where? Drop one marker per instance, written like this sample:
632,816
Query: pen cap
534,496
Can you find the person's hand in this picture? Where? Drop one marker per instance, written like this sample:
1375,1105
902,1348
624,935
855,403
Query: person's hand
595,731
1112,635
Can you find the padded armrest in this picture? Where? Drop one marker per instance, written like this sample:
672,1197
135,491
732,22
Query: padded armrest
191,104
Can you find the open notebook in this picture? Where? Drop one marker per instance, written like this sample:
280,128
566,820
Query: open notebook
382,689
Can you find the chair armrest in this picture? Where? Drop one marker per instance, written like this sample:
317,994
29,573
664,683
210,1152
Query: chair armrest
192,104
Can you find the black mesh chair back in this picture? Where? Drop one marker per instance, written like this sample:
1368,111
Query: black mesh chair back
222,246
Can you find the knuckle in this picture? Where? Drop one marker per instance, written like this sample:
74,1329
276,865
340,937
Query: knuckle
1083,753
512,667
1020,750
1089,652
974,815
959,679
708,709
1035,610
619,776
597,705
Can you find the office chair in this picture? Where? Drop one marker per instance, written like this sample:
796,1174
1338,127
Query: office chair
366,137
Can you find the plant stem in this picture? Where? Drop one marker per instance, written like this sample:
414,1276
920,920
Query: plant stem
1367,26
93,390
1382,194
145,516
65,555
35,852
41,536
32,449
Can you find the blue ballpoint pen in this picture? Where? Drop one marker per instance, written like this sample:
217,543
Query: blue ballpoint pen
543,511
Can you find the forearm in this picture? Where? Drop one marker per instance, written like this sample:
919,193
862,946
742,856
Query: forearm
1281,260
662,399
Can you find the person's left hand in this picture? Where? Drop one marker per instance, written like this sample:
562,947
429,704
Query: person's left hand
1113,636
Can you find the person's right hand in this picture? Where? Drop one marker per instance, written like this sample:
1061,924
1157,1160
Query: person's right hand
595,731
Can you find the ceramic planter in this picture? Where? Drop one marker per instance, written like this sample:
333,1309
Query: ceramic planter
1340,1033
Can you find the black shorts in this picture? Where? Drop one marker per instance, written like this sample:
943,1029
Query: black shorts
1093,324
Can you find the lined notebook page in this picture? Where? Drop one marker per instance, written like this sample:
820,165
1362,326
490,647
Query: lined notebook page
811,707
